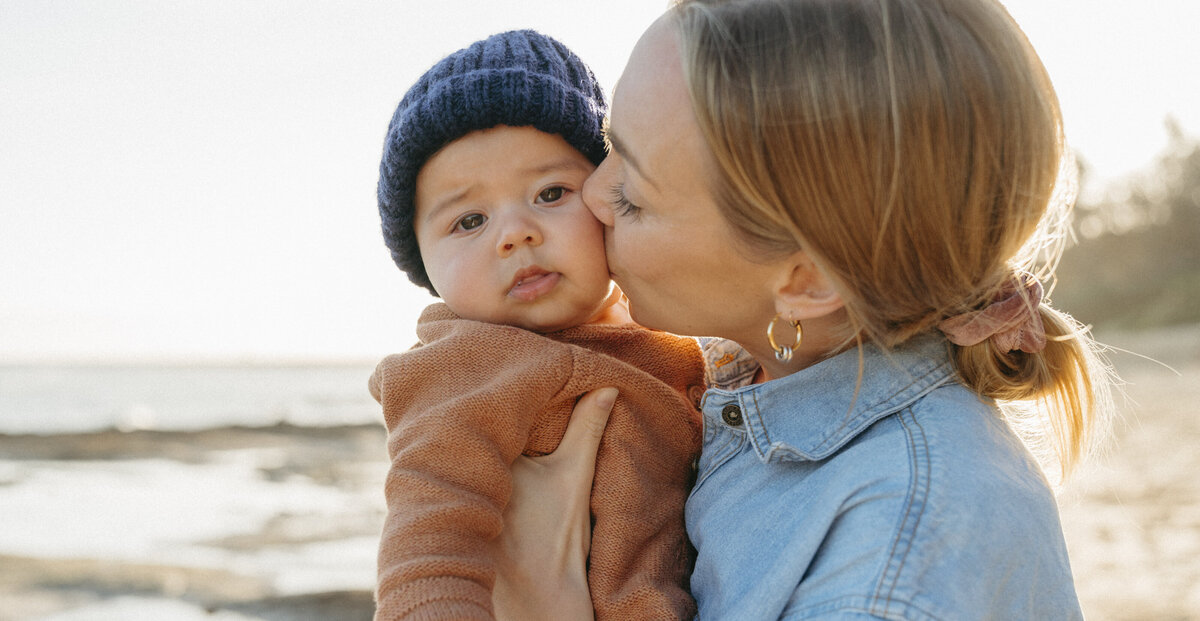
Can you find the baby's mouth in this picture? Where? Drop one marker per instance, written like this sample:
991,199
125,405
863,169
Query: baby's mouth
531,283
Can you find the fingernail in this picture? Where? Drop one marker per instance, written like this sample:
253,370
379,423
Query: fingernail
605,398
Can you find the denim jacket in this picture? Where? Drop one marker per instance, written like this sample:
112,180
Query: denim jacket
902,495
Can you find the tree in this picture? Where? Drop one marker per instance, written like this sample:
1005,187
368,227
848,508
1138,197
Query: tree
1137,260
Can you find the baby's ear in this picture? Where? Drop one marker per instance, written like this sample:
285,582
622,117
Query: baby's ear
804,291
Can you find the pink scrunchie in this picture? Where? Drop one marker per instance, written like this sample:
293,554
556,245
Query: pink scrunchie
1012,321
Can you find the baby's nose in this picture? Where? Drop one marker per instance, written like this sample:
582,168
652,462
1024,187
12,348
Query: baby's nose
521,233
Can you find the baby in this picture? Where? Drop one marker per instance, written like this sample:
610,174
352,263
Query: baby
479,193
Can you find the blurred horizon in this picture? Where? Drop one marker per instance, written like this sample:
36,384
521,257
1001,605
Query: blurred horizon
193,184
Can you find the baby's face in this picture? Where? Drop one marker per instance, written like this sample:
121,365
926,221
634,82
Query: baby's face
504,234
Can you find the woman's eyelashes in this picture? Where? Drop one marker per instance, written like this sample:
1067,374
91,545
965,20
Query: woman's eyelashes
622,206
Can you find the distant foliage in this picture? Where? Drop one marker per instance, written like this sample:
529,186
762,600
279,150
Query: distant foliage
1136,263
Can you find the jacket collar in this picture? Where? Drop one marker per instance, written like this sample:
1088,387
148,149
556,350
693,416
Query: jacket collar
812,413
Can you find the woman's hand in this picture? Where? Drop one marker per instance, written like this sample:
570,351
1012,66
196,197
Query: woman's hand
542,553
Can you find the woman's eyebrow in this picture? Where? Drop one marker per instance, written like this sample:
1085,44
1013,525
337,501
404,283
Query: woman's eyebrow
618,145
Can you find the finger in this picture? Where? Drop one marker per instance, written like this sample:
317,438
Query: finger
586,427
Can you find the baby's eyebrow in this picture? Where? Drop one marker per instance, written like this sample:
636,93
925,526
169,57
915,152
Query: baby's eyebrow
562,164
446,201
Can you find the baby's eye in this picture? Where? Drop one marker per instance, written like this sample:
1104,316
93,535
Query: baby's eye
470,221
551,194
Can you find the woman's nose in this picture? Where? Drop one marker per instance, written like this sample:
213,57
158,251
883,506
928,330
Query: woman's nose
518,231
597,190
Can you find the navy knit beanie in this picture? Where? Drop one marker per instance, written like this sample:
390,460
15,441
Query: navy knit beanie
519,78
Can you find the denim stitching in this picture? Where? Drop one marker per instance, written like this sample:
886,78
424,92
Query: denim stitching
736,439
928,381
919,493
762,446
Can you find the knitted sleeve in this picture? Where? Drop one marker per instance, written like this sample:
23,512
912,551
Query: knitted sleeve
459,410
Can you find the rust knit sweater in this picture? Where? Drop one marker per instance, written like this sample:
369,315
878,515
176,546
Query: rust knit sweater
471,398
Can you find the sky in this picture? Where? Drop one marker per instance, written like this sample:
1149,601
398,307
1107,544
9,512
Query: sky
186,181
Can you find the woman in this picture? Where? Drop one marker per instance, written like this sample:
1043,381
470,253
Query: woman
849,193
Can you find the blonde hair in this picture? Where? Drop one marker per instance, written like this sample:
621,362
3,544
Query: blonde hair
913,149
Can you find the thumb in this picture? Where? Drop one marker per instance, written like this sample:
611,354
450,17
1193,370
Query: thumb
583,433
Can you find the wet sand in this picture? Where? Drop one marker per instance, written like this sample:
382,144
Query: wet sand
268,565
279,523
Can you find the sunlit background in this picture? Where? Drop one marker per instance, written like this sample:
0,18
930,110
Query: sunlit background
183,180
194,289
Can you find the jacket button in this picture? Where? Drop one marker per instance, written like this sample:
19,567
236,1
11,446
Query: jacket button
732,415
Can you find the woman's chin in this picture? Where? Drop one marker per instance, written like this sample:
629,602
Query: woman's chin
648,320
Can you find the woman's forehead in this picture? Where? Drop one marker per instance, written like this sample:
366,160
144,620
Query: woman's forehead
651,120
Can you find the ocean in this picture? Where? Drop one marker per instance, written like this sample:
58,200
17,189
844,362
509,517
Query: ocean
57,399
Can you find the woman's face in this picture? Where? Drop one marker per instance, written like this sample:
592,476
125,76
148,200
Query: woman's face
669,248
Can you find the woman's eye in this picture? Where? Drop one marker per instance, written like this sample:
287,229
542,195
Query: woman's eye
621,205
470,221
552,194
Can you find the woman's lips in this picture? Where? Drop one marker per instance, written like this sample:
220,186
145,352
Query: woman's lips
532,283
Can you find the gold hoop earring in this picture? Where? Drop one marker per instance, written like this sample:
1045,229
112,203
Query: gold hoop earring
783,353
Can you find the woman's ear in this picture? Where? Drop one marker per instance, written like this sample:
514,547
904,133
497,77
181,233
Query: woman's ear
804,291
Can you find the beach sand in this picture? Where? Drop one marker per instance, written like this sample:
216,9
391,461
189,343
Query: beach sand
280,523
1132,516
